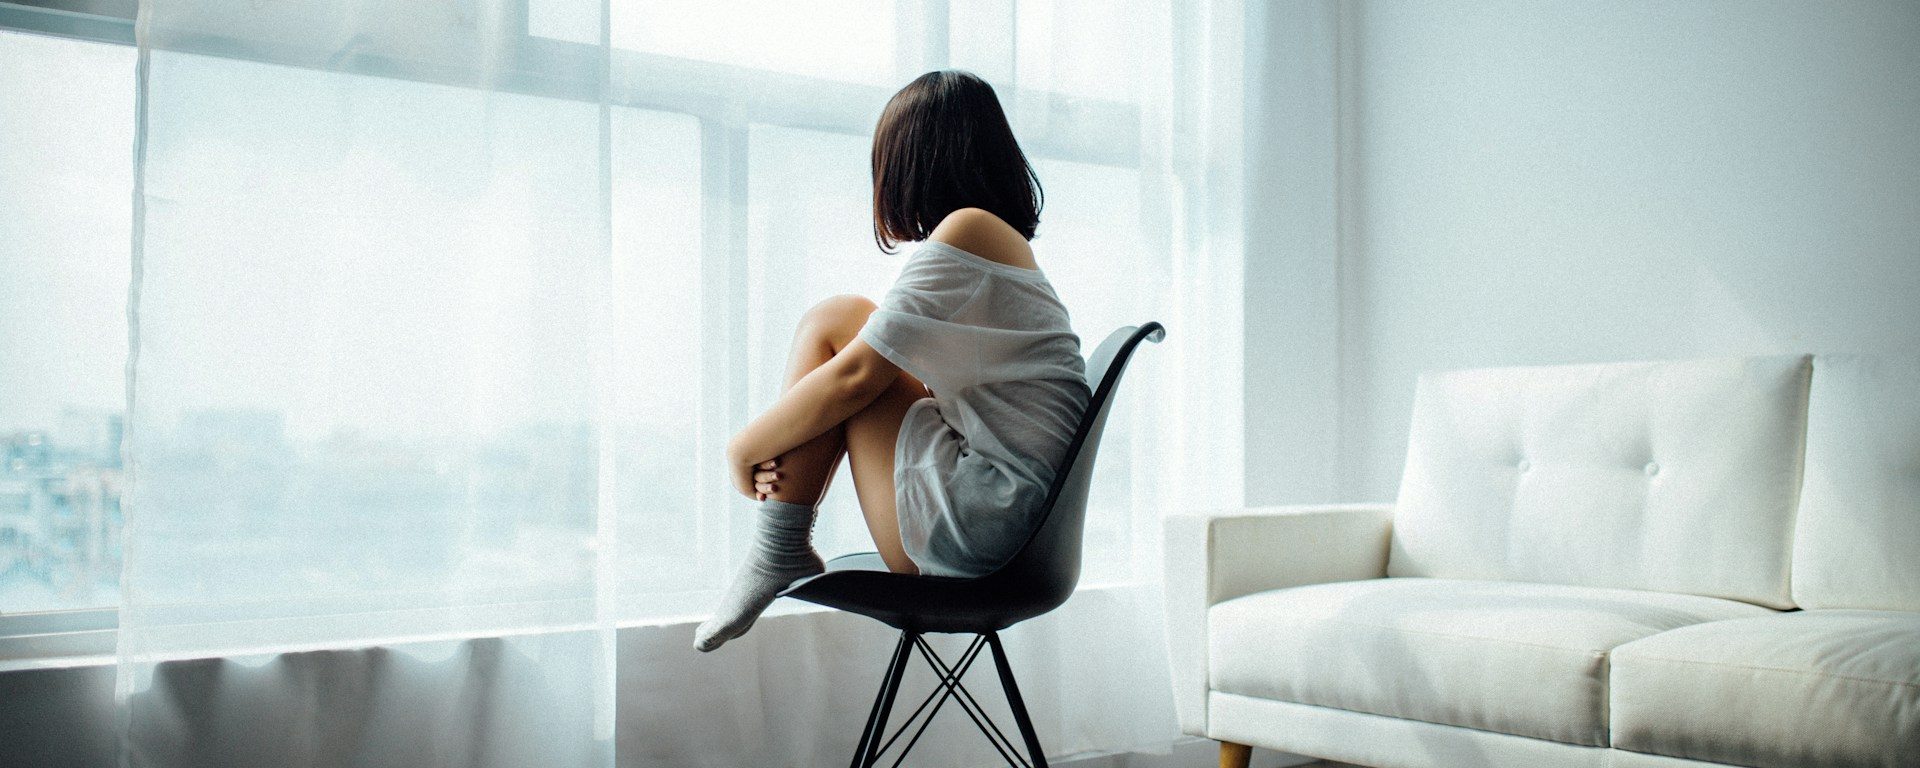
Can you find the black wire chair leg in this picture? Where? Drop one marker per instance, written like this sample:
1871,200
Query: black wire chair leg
1013,699
977,713
938,697
866,733
974,711
868,752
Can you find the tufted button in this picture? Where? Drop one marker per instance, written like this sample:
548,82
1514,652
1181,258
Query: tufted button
1652,469
1524,465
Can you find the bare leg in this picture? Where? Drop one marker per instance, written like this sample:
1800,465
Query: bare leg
805,471
871,435
782,551
868,437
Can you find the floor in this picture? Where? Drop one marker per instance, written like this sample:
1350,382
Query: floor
1191,753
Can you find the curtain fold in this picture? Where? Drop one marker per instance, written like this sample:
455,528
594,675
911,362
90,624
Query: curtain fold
442,312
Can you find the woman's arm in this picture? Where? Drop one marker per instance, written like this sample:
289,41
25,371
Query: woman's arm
819,401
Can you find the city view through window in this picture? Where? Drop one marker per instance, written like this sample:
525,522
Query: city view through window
66,133
60,514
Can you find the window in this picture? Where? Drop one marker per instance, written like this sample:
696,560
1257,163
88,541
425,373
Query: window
315,448
1095,260
66,138
661,337
367,332
842,40
1083,48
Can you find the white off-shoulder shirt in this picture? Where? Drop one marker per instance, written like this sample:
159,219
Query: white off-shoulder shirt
974,462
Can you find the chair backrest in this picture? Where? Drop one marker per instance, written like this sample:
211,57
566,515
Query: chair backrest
1047,568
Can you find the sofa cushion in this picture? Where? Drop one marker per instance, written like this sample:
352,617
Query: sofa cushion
1827,687
1858,541
1666,476
1522,659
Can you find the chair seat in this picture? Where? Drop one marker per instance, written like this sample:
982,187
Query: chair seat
862,584
1820,687
1522,659
858,561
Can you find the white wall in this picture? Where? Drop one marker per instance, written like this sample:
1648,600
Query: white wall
1291,303
1528,182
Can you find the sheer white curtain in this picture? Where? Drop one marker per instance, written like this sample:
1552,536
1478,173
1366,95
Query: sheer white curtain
371,371
443,311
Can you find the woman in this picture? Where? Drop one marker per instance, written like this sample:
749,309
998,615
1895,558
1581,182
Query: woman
954,398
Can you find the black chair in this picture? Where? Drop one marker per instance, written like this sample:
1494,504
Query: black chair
1038,579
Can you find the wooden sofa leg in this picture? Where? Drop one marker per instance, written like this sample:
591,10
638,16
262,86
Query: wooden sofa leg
1234,755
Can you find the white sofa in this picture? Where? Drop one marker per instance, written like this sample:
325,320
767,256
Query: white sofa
1692,563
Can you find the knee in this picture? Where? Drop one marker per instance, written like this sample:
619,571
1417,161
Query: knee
837,318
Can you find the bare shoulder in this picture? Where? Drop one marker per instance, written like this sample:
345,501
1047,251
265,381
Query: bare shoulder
983,234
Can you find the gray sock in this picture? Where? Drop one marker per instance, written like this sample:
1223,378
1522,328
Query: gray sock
782,553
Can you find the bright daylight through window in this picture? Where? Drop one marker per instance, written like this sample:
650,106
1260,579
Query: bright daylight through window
417,425
66,135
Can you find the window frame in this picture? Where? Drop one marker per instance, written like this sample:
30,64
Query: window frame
99,21
1078,129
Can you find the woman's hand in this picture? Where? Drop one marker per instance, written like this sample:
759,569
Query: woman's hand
754,481
821,400
765,478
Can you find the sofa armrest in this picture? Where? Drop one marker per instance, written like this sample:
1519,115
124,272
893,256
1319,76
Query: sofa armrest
1214,557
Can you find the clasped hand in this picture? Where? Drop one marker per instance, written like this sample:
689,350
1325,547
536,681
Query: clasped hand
755,481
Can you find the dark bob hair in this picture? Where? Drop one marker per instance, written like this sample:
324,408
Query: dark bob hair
943,144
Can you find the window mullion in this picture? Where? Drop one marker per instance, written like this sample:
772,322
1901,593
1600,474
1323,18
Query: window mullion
723,310
921,39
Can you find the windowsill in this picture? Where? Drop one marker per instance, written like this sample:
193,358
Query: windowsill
98,647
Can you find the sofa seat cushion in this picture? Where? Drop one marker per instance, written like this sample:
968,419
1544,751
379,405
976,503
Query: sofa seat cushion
1522,659
1825,687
